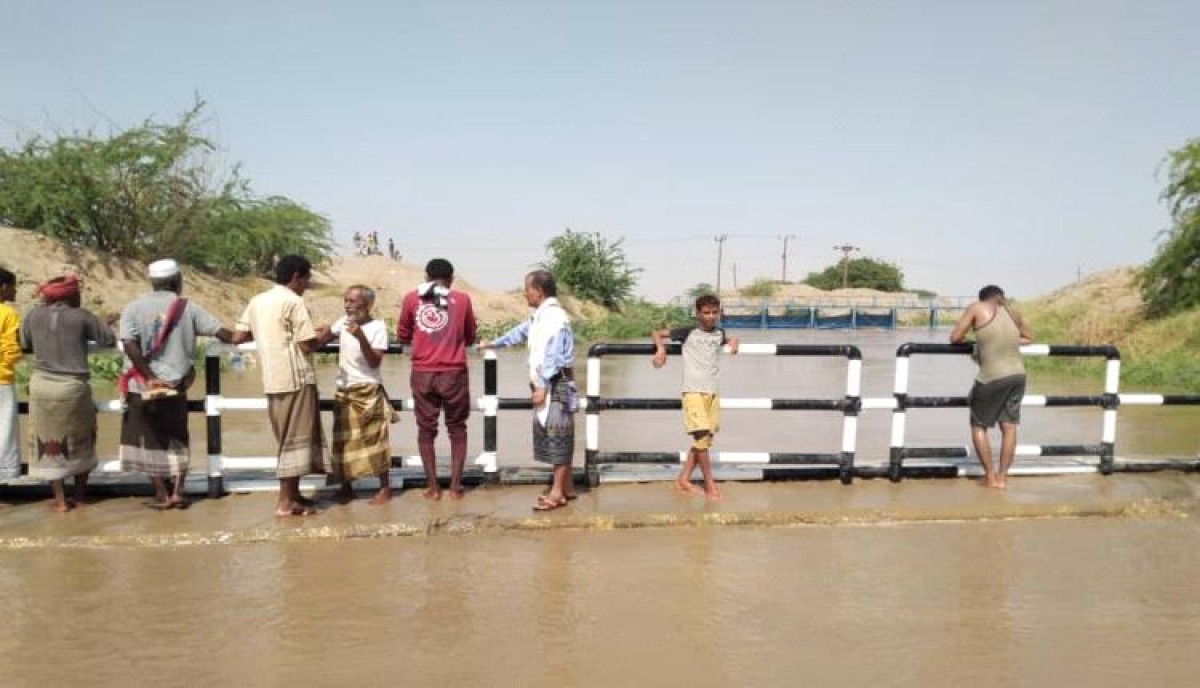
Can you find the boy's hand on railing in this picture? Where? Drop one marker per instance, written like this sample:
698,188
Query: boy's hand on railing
660,358
733,345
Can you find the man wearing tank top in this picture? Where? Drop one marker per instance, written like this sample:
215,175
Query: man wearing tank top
1000,385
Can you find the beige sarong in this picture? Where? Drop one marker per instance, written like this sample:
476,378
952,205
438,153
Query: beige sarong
296,420
63,419
361,447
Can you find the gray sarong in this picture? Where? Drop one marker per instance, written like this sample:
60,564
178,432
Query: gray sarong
554,442
996,401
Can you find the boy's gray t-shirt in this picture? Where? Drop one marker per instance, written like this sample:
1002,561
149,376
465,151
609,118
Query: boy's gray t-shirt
700,352
145,316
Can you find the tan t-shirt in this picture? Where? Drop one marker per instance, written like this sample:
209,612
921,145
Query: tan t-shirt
279,321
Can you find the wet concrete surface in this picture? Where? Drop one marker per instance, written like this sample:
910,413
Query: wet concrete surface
125,521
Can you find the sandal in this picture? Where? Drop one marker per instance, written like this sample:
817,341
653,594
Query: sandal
544,503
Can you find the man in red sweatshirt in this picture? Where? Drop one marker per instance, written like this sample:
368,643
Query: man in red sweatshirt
439,323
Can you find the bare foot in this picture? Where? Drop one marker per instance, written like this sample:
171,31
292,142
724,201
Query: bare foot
178,502
713,494
687,488
433,494
456,493
61,507
1000,483
383,496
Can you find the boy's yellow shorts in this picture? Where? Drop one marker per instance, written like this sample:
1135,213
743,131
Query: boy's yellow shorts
701,412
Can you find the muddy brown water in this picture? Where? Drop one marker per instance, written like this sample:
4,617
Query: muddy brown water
1047,602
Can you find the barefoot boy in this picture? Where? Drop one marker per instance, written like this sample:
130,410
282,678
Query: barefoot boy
701,347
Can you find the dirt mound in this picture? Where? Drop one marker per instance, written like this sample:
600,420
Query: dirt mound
1102,308
110,282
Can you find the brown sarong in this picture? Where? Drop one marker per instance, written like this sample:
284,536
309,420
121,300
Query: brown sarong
63,418
296,421
154,436
361,447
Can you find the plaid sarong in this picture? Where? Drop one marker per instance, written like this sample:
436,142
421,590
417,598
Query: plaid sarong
296,421
361,447
154,436
63,418
554,441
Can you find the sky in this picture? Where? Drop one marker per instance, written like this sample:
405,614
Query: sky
1017,143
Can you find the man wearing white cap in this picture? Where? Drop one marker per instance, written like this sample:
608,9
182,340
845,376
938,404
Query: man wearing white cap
158,333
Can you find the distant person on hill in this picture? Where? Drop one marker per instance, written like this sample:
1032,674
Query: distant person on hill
552,388
1000,384
61,410
279,323
701,348
440,324
361,409
391,248
10,353
158,333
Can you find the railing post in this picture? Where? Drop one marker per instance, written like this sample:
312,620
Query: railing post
850,414
900,392
1112,400
591,466
212,411
491,406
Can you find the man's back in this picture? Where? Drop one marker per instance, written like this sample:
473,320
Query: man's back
438,334
145,316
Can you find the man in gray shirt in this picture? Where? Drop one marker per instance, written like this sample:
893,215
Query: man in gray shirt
158,333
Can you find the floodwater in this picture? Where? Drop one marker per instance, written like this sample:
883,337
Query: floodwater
1097,602
1141,431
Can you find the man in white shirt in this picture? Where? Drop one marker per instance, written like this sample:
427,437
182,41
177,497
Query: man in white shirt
361,409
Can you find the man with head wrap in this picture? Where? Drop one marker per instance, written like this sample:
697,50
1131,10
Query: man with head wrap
61,411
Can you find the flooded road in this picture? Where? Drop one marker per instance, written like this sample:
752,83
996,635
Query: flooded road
1099,602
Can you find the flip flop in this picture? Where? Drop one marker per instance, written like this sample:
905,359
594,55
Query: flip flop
544,503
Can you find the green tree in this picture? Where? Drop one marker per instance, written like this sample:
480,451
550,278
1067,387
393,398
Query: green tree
761,288
1170,281
864,273
150,191
592,267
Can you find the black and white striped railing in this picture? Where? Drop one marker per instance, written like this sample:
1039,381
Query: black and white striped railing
849,406
902,401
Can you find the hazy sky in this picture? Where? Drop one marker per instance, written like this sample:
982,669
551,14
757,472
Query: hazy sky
968,142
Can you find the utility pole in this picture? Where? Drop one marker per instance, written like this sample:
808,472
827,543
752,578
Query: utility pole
720,239
735,284
785,238
846,250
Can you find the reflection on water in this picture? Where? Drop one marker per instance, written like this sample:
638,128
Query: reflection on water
1109,602
1161,431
